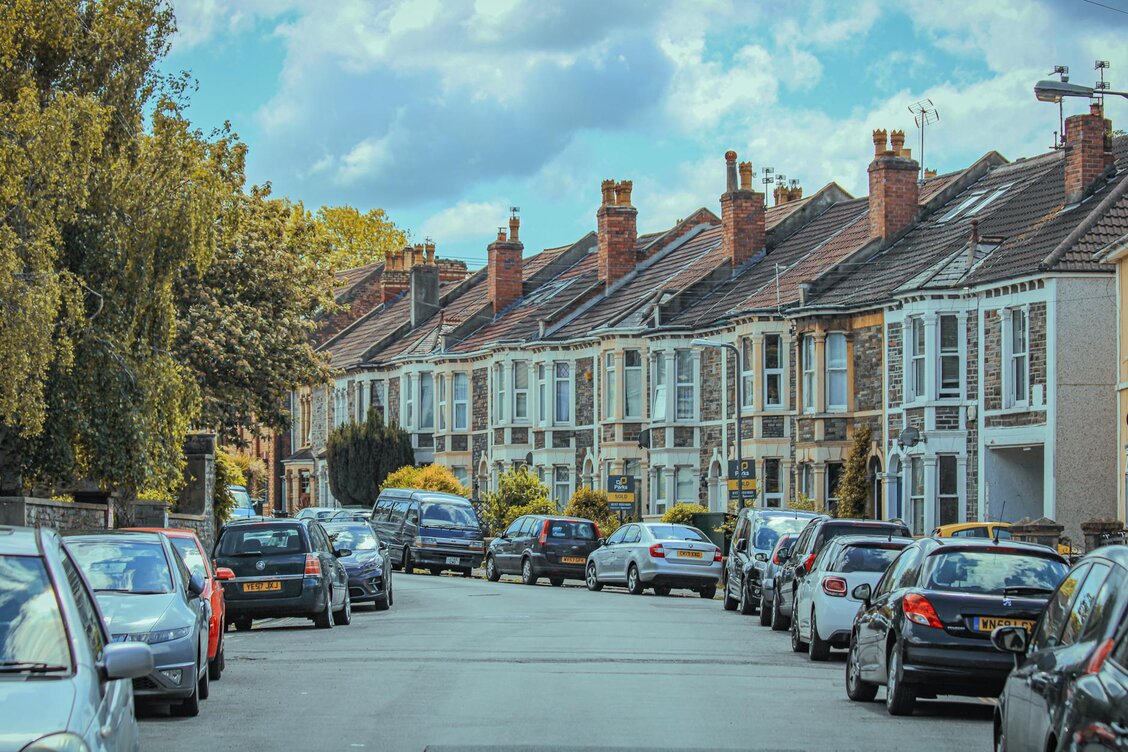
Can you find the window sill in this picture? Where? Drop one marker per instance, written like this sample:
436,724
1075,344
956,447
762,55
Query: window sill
1015,410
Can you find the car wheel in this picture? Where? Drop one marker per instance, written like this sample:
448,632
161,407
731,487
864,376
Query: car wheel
765,611
797,644
662,590
344,616
592,581
243,623
818,649
467,572
899,696
779,622
709,592
407,565
324,620
203,684
556,581
744,605
857,688
215,665
435,571
1001,735
492,573
634,582
730,602
190,706
528,576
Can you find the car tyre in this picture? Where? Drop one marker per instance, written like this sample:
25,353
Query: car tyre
386,603
556,581
203,684
730,602
1001,736
899,695
344,616
709,592
857,688
818,649
592,580
634,582
467,572
215,665
324,620
492,572
662,590
765,611
435,571
528,576
189,707
243,623
797,644
744,605
407,565
779,622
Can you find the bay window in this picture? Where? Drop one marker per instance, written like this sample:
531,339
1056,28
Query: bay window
836,371
949,376
520,391
426,402
562,485
916,358
1018,358
808,365
683,369
563,393
461,397
773,371
499,384
685,485
632,384
409,402
609,386
542,401
658,405
442,402
916,495
747,380
948,490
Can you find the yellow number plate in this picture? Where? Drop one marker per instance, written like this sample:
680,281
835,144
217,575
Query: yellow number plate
990,623
690,554
261,587
572,559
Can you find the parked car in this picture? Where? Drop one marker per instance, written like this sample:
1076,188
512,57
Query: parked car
192,552
767,570
359,511
316,513
825,606
994,530
658,555
284,567
429,530
1070,685
756,533
814,537
925,629
536,546
51,630
244,504
370,577
147,594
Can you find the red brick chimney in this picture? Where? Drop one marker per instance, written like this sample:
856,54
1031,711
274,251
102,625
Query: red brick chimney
396,277
742,214
505,266
893,189
616,222
1088,151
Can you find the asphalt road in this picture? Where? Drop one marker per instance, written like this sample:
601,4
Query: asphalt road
463,664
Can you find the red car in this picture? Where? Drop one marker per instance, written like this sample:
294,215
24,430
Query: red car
192,551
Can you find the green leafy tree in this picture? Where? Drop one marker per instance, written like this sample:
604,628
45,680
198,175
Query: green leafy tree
428,478
517,487
355,238
682,513
228,472
803,503
853,487
361,455
592,504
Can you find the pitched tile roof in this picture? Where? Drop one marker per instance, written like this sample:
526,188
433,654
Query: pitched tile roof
345,281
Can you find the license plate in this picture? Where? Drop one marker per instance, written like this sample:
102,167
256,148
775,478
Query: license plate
991,623
452,560
690,554
572,560
261,587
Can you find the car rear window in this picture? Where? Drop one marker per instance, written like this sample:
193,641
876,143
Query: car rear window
677,532
866,558
264,540
770,528
993,571
833,531
571,529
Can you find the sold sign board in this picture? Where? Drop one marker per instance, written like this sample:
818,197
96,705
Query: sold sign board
742,480
621,493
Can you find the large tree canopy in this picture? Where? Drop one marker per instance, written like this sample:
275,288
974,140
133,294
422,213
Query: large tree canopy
356,238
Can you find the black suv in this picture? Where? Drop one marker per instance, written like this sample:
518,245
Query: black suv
816,535
427,529
536,546
283,568
756,533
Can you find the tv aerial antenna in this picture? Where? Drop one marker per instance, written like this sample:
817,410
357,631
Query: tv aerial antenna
1101,86
1062,72
924,114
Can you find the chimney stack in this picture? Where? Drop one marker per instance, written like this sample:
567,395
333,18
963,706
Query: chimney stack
616,222
742,214
424,292
505,266
395,278
893,190
1088,152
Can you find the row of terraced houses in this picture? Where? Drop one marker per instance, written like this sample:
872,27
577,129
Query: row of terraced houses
977,307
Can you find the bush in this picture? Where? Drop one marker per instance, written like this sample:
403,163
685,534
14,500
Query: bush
538,506
227,474
361,455
854,487
591,504
682,513
426,478
516,488
802,503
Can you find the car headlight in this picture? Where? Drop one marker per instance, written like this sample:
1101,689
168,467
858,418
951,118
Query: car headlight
155,636
426,541
65,742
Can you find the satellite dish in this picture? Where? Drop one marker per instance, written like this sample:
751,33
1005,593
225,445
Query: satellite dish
644,438
909,437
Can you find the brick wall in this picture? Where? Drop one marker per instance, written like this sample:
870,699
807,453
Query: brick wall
773,426
585,392
504,275
947,418
895,366
480,399
1037,349
616,222
538,439
479,445
915,418
971,366
712,388
519,435
393,408
683,436
561,439
806,428
319,414
459,442
835,429
1086,156
992,361
867,368
585,440
893,189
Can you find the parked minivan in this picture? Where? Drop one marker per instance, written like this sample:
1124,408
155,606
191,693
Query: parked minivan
429,530
536,546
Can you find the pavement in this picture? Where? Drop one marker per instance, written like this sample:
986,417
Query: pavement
461,664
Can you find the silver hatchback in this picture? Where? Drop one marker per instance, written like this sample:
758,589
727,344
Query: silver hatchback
63,685
657,555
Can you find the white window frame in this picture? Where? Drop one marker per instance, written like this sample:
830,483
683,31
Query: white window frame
916,492
917,349
658,407
687,476
409,402
461,405
1017,361
632,384
807,362
609,386
773,373
562,388
380,402
561,485
499,393
461,474
426,401
747,374
685,396
836,372
952,495
520,394
661,490
542,395
949,355
832,497
773,497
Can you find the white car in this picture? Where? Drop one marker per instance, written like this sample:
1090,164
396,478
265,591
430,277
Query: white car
657,555
825,606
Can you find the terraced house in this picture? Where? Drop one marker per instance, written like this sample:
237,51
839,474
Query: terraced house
964,318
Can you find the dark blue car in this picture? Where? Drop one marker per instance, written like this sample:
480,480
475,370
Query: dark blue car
370,576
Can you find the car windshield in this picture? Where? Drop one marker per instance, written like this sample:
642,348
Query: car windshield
190,553
242,498
353,537
677,532
994,571
138,567
438,514
770,528
261,541
866,558
571,529
32,636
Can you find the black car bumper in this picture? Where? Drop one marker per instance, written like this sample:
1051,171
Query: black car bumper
542,567
969,670
367,587
309,602
682,581
457,559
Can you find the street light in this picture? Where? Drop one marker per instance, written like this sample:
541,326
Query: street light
703,343
1053,91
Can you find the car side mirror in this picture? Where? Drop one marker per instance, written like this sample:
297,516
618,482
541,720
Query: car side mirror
761,557
800,570
742,545
224,573
342,552
600,542
784,554
863,593
1011,639
196,585
126,660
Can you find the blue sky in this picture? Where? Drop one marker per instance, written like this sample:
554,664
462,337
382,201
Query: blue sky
447,113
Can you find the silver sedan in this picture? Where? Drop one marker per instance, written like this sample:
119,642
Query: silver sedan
657,555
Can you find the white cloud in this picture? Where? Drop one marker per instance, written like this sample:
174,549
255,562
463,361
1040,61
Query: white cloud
465,220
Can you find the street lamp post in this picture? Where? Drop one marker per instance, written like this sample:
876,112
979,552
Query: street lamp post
703,343
1053,91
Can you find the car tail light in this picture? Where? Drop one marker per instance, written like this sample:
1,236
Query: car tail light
313,566
657,552
544,533
598,534
835,586
717,555
775,557
920,611
807,564
1099,655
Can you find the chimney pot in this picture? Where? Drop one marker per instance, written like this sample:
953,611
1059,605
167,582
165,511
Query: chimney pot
897,142
428,253
879,142
623,193
730,170
514,226
745,176
795,193
501,234
608,189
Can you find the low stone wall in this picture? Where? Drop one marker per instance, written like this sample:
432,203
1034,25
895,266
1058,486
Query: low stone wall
63,516
201,524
